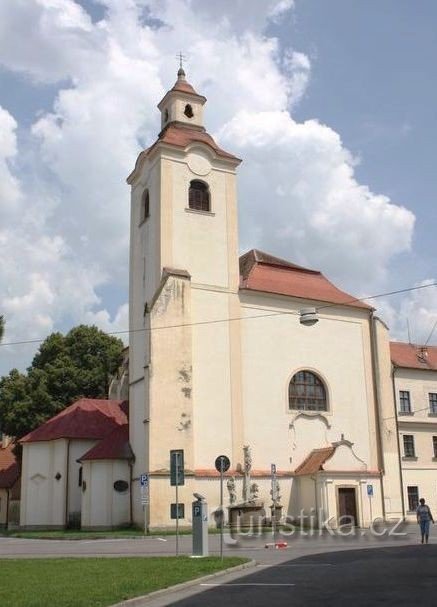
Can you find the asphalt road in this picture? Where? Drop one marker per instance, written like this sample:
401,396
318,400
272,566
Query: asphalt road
401,575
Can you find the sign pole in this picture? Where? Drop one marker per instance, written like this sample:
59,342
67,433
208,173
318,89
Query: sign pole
222,464
273,475
221,508
177,502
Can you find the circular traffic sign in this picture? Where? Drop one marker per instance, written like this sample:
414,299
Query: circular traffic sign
222,463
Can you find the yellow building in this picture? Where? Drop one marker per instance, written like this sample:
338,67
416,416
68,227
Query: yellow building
415,388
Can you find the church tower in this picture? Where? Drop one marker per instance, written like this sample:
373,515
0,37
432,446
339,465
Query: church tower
184,273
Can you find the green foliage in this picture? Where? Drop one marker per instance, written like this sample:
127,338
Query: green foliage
67,582
64,369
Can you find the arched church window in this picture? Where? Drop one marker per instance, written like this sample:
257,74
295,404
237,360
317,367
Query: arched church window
145,206
306,392
198,196
188,111
166,116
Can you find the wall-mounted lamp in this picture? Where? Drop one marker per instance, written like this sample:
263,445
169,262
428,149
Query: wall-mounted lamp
308,316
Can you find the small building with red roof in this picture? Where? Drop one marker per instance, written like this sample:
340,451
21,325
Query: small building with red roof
9,484
60,486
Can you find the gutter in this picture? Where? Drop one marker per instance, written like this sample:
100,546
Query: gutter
67,483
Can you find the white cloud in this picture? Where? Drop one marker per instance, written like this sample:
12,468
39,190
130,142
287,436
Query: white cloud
415,312
67,233
301,199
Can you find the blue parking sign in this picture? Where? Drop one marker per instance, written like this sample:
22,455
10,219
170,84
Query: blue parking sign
144,480
370,490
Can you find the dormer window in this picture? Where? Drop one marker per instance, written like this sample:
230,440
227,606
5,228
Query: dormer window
188,111
198,196
145,206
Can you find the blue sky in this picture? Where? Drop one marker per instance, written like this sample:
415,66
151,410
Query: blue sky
332,106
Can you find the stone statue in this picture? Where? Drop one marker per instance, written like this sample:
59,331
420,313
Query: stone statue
274,492
232,490
254,490
247,469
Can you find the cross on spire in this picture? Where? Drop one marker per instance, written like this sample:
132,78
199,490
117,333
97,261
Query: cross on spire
181,58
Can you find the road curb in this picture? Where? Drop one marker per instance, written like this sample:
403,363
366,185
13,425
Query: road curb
139,601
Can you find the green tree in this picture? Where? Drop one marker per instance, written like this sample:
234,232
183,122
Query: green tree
64,369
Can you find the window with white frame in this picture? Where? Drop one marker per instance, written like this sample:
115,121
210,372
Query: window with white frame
432,402
404,401
409,450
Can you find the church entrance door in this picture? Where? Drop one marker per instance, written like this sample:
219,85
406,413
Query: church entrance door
347,505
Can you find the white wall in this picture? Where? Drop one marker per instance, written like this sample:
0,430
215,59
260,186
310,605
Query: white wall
102,505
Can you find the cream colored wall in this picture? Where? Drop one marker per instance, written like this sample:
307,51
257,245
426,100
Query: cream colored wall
176,106
42,496
273,350
193,240
102,506
368,509
420,472
162,495
392,480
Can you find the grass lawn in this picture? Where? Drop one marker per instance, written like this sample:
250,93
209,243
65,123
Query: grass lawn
96,582
77,534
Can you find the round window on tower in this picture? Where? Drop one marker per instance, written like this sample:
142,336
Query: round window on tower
188,111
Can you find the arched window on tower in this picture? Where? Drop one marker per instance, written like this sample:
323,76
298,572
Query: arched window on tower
145,206
198,196
188,111
307,392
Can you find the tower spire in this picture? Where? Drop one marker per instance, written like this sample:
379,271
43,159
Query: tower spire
181,71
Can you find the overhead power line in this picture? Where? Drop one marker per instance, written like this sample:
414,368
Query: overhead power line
222,320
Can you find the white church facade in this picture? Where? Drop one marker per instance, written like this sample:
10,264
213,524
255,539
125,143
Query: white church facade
223,361
219,362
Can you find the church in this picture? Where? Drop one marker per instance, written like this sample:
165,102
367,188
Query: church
218,357
223,361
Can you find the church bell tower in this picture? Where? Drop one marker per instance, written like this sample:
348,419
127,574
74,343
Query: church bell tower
183,270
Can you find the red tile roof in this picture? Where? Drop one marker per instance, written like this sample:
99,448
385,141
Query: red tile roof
263,272
412,356
314,461
9,470
87,418
184,87
114,446
182,136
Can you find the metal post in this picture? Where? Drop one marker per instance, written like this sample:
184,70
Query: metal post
177,502
273,479
370,508
221,509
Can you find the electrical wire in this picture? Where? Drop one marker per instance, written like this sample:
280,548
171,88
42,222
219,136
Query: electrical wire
239,318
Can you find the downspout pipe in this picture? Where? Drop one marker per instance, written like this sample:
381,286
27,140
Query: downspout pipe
377,393
67,480
7,508
401,476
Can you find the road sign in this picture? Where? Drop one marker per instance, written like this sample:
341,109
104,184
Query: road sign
177,476
222,463
177,511
144,480
370,490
